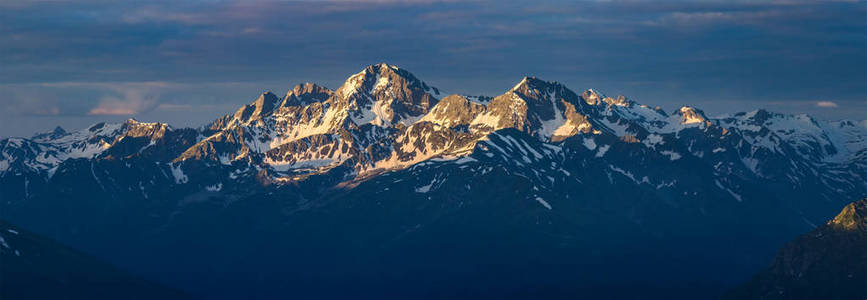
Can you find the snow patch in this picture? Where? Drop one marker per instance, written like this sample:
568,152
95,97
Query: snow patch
214,188
652,140
671,154
179,175
543,202
733,194
602,150
590,144
752,164
426,188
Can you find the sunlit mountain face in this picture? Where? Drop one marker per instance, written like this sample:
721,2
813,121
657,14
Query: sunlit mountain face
386,187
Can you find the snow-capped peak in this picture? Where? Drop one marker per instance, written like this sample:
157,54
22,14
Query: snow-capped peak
690,115
55,133
530,83
44,152
384,94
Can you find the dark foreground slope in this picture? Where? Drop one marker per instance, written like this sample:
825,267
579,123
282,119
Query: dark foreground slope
828,263
33,267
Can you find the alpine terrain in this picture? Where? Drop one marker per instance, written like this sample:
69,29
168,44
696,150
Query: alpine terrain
386,187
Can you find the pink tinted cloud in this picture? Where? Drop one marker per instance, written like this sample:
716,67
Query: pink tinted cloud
826,104
132,102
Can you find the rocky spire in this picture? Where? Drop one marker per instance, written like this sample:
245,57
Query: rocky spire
591,97
306,93
57,132
690,115
852,218
263,106
454,110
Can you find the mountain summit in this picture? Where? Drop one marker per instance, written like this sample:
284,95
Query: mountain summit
383,94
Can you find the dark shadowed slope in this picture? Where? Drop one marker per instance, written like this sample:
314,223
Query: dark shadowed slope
828,263
33,267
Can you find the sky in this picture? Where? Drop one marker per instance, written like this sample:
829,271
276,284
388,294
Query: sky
75,63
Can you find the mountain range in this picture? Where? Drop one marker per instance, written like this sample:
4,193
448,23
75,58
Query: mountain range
390,188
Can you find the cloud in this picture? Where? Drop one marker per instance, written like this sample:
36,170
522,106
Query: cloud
132,102
826,104
100,98
120,108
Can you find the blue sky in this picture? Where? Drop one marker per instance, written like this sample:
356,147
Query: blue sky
73,63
